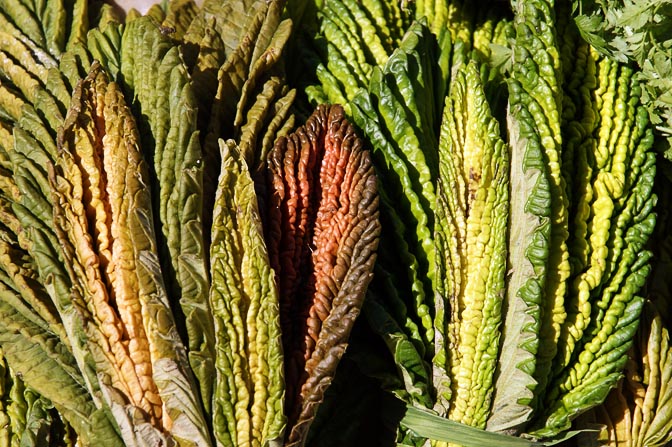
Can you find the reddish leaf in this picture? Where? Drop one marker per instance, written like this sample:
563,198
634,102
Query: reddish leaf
322,233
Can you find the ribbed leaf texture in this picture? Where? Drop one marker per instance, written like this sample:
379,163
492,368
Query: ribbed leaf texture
103,221
249,390
322,233
472,217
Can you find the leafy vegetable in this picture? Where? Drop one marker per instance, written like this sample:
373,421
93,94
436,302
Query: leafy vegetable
249,389
102,208
178,266
635,31
170,140
472,217
322,232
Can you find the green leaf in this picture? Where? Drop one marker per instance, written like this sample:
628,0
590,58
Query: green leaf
50,369
529,239
409,362
250,388
434,427
634,31
150,63
471,236
437,428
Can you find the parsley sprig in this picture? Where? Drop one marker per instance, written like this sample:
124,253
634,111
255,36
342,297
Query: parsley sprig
637,31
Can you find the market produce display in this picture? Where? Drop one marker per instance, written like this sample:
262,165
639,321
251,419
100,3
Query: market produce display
335,223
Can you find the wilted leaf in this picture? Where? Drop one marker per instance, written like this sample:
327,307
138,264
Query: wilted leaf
104,225
322,232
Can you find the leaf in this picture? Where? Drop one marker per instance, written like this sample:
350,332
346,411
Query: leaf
151,63
251,102
103,222
437,428
410,364
179,16
249,391
633,31
472,213
605,293
399,114
51,370
529,235
82,193
322,232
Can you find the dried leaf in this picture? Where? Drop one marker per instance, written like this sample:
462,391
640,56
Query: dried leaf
322,233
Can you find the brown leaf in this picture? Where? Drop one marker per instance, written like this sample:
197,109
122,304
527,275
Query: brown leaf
322,233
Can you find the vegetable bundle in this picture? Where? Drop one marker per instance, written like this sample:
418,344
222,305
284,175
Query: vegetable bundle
521,207
126,320
196,204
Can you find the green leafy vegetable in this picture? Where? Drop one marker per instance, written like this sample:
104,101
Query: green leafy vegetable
471,221
249,390
639,32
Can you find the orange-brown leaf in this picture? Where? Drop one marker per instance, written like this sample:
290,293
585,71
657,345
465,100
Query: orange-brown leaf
322,233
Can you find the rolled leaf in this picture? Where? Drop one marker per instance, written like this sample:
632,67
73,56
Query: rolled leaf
472,217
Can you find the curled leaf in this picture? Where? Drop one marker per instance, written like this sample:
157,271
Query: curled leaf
102,211
249,390
322,234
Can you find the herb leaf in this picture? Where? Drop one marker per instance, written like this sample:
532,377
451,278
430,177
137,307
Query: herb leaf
638,31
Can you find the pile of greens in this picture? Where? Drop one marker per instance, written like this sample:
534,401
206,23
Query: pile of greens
197,203
517,172
152,178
